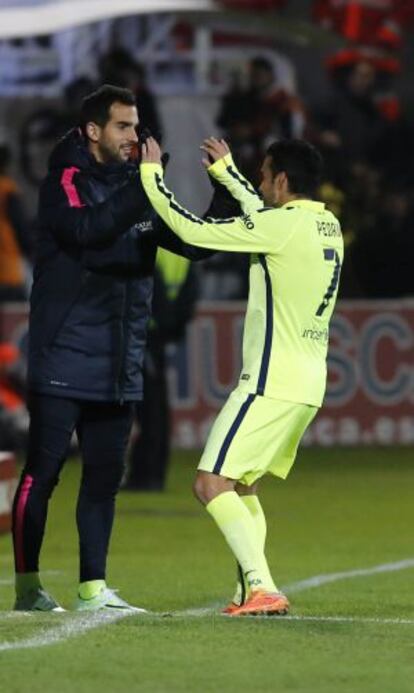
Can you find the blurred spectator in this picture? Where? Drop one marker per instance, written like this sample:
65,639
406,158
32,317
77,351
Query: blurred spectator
382,253
44,126
253,5
73,96
350,128
15,241
252,117
118,67
364,147
367,22
14,421
365,140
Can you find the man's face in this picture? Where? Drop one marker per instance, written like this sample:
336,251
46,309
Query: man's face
270,184
362,79
116,141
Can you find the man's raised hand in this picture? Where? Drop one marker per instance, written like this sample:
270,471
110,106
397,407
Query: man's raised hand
215,150
151,152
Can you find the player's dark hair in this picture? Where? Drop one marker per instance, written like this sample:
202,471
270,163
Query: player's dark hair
300,161
96,106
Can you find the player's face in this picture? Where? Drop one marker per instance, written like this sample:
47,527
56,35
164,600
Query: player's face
117,140
272,188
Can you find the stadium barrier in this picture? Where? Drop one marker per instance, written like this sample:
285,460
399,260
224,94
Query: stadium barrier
8,484
370,393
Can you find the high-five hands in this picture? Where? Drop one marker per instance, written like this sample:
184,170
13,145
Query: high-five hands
151,152
215,150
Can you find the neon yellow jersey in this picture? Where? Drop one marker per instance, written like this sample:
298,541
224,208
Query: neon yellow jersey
296,257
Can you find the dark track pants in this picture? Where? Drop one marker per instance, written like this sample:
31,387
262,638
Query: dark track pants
151,450
103,431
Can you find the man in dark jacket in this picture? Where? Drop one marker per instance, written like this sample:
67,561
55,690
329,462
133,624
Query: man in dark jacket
90,303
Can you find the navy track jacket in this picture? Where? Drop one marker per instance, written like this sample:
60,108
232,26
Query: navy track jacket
97,237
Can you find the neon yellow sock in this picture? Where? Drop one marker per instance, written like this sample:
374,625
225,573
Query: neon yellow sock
26,582
255,509
89,589
238,527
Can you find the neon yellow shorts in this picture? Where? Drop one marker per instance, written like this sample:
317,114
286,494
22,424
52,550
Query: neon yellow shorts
254,435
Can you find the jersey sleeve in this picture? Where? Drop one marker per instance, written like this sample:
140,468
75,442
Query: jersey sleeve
225,171
246,234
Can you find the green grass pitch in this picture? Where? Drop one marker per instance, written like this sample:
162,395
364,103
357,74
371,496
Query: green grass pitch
339,511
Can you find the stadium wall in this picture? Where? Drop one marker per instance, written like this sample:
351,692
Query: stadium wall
370,392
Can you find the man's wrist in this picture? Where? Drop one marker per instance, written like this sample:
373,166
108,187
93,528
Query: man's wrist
220,166
150,166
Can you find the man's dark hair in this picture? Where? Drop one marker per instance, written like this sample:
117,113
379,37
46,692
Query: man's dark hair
96,106
300,161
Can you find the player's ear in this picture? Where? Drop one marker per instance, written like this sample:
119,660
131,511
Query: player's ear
282,180
92,131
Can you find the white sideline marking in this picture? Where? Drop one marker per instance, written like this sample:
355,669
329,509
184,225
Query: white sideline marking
83,623
199,613
351,619
76,626
318,580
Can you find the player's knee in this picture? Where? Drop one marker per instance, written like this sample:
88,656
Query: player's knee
100,484
42,482
207,486
203,487
198,489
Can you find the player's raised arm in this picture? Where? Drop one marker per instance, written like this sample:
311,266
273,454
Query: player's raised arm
239,234
220,165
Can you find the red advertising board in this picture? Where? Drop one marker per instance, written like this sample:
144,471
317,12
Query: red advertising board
370,394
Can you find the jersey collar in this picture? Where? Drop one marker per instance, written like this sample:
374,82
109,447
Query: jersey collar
305,204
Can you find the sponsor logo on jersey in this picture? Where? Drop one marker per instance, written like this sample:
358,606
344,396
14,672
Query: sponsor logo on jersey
316,335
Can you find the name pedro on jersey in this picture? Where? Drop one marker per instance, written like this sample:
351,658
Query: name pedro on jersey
328,228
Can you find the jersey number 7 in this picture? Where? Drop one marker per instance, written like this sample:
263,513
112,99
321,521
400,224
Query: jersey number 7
329,255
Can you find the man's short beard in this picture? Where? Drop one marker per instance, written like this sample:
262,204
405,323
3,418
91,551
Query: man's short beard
109,155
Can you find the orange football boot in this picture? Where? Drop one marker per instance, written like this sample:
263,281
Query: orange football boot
261,603
230,608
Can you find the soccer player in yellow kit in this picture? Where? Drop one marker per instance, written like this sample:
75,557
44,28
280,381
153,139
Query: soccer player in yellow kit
296,252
